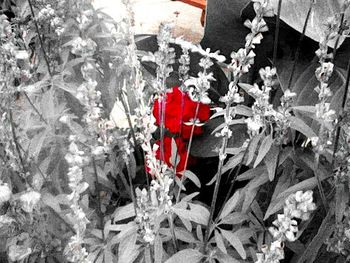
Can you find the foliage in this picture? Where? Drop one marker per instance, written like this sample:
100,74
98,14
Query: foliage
99,159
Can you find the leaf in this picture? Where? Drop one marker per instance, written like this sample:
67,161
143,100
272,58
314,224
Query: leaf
251,173
239,110
294,14
235,242
247,88
199,233
187,223
220,242
190,175
264,149
252,147
174,156
234,218
341,200
189,197
207,145
225,258
230,205
252,188
244,234
325,230
51,201
127,230
230,164
186,256
128,250
277,204
108,256
124,212
271,161
233,122
197,213
307,97
301,126
180,234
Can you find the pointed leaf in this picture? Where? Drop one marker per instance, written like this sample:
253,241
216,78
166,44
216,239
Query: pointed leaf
186,256
124,212
235,242
230,205
264,149
190,175
220,242
271,161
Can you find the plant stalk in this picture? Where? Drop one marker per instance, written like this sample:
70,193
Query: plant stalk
277,31
98,190
222,158
345,97
188,153
296,56
40,38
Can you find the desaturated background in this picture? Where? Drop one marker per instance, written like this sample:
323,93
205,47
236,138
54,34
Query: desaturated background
150,13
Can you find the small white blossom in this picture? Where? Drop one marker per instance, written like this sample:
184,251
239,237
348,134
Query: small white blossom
83,47
300,205
5,193
29,200
286,228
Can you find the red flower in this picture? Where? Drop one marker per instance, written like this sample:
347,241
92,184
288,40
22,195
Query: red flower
174,122
181,152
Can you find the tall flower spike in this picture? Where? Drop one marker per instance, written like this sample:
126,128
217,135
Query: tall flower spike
76,160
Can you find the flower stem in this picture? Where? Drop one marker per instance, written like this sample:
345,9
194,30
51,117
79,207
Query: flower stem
234,177
14,137
40,38
296,56
35,108
340,31
188,152
215,195
172,229
345,97
98,190
222,158
126,110
277,31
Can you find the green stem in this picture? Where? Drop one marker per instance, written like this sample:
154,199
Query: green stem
188,153
296,57
222,155
40,38
98,190
14,137
35,108
345,97
277,31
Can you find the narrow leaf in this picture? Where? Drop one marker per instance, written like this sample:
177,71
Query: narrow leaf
271,161
264,149
186,256
230,205
220,242
235,242
190,175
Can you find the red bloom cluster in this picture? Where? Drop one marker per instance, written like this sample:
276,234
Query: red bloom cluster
180,112
176,123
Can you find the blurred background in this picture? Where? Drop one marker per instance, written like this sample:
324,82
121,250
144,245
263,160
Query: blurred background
150,13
